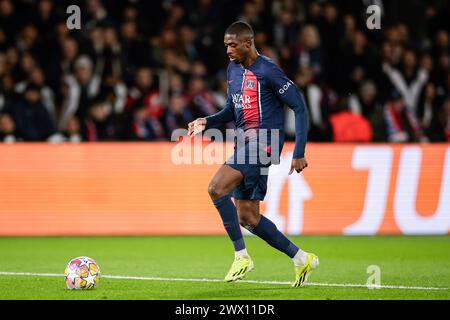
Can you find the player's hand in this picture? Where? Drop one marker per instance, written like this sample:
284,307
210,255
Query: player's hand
298,165
196,126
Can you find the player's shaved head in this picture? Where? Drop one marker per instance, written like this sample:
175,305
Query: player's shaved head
239,42
240,29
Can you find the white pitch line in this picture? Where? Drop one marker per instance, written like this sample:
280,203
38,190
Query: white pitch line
219,280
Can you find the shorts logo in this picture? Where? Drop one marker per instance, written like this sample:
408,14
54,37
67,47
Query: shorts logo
250,84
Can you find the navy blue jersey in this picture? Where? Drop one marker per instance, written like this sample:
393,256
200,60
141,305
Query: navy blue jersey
256,96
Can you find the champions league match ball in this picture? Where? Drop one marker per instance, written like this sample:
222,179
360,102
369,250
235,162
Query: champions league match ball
82,273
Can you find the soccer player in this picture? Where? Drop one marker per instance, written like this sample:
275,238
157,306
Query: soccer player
257,92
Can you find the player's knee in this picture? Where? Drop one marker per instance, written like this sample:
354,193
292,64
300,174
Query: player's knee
249,221
215,191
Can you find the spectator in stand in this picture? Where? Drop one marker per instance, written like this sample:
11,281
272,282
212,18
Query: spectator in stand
108,53
155,113
145,93
97,14
31,118
138,126
71,134
36,76
177,114
221,90
83,88
73,131
173,61
410,79
161,44
187,43
142,86
115,92
175,16
12,63
350,29
7,93
427,110
309,52
98,125
200,98
46,18
329,33
367,103
357,64
251,13
8,129
27,41
319,127
136,52
402,124
441,55
26,64
439,128
349,126
285,28
393,37
9,23
176,84
63,61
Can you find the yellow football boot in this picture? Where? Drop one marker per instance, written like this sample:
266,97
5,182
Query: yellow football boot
302,272
240,267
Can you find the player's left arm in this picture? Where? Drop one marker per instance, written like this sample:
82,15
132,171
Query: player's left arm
288,92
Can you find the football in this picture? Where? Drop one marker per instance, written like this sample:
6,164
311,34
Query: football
82,273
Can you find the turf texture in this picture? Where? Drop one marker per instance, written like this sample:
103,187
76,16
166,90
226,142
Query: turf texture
411,261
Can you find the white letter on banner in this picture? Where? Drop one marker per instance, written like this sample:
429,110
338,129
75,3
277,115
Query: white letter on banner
277,177
408,220
298,189
378,160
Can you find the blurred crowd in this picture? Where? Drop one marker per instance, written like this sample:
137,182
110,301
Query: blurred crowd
137,70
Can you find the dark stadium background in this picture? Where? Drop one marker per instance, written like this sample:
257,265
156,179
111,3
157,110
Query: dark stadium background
137,70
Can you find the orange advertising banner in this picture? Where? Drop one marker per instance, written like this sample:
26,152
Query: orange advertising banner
138,188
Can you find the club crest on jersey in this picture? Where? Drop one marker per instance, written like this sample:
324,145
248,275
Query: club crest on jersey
250,84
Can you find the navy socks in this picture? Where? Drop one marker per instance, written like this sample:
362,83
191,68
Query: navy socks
228,213
267,231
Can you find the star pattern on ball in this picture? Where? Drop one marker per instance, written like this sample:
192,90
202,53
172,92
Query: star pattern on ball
72,276
90,279
75,275
84,262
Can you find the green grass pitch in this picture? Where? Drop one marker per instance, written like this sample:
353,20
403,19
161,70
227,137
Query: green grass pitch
408,261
